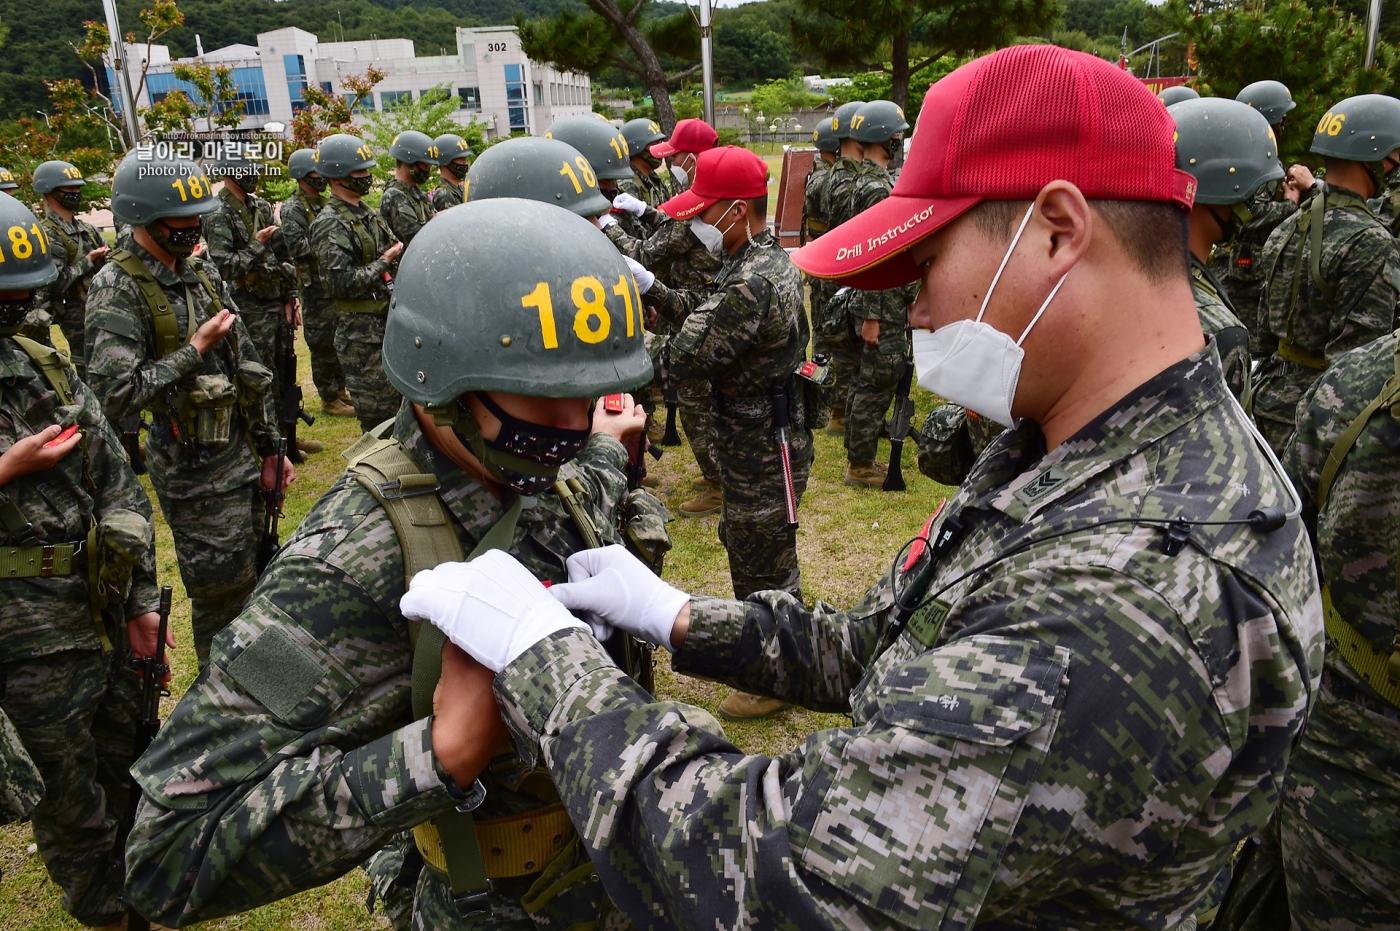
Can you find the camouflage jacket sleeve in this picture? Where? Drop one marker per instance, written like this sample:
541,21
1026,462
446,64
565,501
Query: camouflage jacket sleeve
69,273
443,198
716,333
296,229
1367,282
398,211
122,365
657,251
266,433
234,253
336,259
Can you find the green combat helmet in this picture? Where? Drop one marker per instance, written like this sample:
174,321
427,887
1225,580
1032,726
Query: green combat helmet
824,137
878,121
1365,128
7,180
50,176
1227,146
243,172
342,153
841,120
1175,95
302,163
156,188
513,295
412,147
599,142
641,134
27,264
535,168
450,147
1270,98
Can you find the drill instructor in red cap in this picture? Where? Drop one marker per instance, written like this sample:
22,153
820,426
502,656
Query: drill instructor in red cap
1075,694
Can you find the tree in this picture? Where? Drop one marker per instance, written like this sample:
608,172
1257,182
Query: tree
159,18
616,34
1319,52
431,113
912,34
217,103
327,113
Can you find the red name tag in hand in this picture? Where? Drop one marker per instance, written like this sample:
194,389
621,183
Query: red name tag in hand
613,404
63,437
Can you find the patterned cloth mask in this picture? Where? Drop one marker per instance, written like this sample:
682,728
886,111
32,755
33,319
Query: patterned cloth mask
12,313
524,455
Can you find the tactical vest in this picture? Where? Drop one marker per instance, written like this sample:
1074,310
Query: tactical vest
454,191
420,202
1380,670
364,243
71,248
260,284
308,267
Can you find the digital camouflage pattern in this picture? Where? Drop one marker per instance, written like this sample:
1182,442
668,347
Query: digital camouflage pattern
289,761
21,788
66,299
652,188
1361,262
1219,322
204,493
1238,264
405,208
1387,204
319,314
446,194
72,707
359,337
747,333
981,779
1341,806
950,441
829,338
253,272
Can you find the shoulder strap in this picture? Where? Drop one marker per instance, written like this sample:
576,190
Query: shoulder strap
240,209
167,328
57,229
49,362
1318,209
357,228
208,288
1389,394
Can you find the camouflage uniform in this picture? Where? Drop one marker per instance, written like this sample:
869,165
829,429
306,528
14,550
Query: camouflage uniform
350,265
445,195
651,188
748,333
263,784
1386,205
982,779
73,706
1340,817
950,441
1360,264
21,788
834,326
405,208
253,272
828,341
209,496
679,260
66,299
1219,322
1238,265
319,315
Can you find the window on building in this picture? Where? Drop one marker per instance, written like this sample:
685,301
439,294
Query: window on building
516,100
326,86
470,98
295,66
390,99
539,95
364,104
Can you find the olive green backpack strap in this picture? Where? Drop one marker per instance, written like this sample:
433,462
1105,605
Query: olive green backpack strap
56,228
357,229
167,328
49,362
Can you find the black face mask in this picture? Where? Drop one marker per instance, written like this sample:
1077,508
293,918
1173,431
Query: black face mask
360,186
317,184
247,183
524,455
177,240
12,313
70,200
419,172
458,170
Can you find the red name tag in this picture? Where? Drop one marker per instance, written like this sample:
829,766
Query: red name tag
807,369
612,403
921,542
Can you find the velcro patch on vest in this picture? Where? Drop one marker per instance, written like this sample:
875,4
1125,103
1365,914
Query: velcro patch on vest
277,671
1042,486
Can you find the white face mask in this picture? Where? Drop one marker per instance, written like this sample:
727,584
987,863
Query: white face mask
710,236
973,363
680,176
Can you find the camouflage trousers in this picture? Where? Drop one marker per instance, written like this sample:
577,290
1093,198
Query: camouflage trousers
264,322
21,787
697,417
216,544
319,317
753,527
359,342
1278,387
842,355
1258,900
70,319
75,713
872,389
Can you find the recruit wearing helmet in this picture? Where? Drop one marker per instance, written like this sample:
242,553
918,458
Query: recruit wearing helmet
841,119
342,153
880,122
61,179
7,180
416,150
599,142
1270,98
146,192
641,134
1231,151
1175,95
824,137
1365,129
535,168
234,168
27,265
453,153
301,166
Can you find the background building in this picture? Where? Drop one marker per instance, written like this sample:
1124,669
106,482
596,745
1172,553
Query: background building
490,76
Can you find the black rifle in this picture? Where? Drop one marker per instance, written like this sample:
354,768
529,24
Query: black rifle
289,409
781,423
637,449
131,427
153,670
672,438
898,426
272,501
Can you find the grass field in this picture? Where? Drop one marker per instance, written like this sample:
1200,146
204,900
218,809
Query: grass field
846,539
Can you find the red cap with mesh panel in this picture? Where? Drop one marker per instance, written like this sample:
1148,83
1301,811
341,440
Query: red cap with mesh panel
689,136
1001,128
730,173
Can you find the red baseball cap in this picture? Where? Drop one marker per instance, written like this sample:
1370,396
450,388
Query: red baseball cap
730,173
1001,128
689,136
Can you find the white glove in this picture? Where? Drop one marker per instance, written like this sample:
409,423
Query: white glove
606,220
632,205
645,279
618,589
492,607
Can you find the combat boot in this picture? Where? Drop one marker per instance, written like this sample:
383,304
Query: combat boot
836,426
345,396
336,407
866,474
742,706
308,446
702,484
707,502
651,480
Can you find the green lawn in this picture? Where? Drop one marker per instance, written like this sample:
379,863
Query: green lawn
846,539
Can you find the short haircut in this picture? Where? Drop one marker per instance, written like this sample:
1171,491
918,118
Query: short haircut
1154,234
759,205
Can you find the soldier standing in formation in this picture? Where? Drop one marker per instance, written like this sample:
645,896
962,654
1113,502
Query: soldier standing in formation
319,314
78,254
647,183
164,335
833,327
814,223
1331,270
981,781
498,447
71,511
453,153
405,206
356,255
